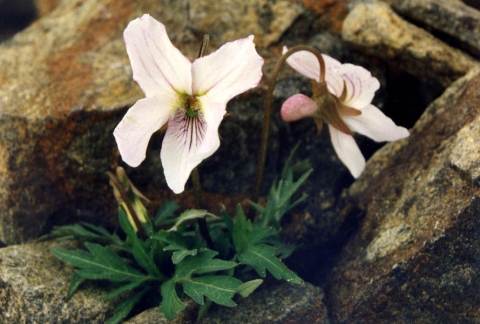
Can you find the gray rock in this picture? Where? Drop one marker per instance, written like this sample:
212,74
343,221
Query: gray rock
452,18
279,304
376,29
34,284
414,255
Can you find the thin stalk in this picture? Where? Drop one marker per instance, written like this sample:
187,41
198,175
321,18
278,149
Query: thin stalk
268,109
197,195
197,188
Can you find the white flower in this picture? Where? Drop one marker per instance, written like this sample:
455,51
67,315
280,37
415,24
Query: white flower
345,104
191,97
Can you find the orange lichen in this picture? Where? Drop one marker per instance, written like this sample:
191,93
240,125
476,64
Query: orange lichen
69,76
333,12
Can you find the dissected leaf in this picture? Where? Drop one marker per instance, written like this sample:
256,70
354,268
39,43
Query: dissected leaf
201,263
280,194
174,241
241,228
140,253
227,220
178,256
75,231
190,214
203,309
289,188
165,213
100,263
83,232
248,287
219,289
125,307
260,233
114,293
171,304
262,257
74,284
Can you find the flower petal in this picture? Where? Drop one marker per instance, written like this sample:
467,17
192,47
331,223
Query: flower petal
139,123
157,65
232,69
347,151
296,107
186,145
360,85
374,124
306,63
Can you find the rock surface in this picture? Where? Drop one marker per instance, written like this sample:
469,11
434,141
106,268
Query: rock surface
375,28
279,304
414,256
453,18
34,284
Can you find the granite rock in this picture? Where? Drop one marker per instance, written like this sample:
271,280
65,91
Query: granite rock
452,19
281,303
377,30
34,284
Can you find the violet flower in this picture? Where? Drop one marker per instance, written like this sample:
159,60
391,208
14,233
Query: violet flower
191,97
344,103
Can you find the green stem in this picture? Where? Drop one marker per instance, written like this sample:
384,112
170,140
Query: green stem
268,109
197,189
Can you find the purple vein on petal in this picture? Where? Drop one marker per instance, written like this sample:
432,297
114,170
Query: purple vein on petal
190,130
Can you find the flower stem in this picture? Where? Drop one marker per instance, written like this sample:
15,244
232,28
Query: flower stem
268,109
197,194
197,188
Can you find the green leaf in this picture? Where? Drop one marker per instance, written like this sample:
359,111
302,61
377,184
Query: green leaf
260,233
100,263
84,232
262,257
171,304
248,287
288,162
291,187
76,231
127,287
281,193
189,215
74,284
178,256
102,231
203,309
166,212
125,307
140,253
219,289
227,220
174,241
201,263
241,227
